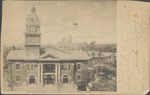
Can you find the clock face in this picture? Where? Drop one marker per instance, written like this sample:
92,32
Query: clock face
32,19
32,28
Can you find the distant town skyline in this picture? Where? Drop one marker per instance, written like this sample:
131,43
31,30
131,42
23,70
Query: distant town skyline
84,21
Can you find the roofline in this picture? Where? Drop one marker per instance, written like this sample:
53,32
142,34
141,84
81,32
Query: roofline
50,60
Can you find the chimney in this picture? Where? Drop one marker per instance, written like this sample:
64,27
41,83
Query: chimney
13,48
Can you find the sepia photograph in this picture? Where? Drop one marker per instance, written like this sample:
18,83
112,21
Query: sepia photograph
59,46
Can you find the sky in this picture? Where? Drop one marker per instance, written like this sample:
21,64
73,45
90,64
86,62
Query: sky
96,21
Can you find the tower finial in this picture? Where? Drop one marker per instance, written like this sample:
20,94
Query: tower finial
33,9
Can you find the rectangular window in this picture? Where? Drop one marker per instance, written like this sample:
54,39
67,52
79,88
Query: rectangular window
35,66
17,78
36,39
50,68
78,78
28,67
28,49
65,67
31,67
62,67
17,66
28,40
68,67
78,66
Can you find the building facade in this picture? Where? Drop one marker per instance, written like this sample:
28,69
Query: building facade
48,65
31,66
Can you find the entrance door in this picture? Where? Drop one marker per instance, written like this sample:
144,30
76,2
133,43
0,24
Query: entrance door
65,79
49,79
31,79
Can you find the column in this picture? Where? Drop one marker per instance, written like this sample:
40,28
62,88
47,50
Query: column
58,76
59,73
73,69
38,73
24,81
55,73
42,73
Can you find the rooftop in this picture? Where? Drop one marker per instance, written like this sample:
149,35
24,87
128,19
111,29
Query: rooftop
52,54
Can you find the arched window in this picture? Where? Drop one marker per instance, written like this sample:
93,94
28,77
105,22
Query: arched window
31,79
65,79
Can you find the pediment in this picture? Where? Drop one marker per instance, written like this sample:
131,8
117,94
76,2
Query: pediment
47,56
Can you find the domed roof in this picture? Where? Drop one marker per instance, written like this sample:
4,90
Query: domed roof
33,19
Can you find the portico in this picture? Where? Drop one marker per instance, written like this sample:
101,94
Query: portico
49,73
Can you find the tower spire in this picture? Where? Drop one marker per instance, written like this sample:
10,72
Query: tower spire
32,35
33,9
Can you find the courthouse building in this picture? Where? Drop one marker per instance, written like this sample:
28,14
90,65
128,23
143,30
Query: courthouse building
51,66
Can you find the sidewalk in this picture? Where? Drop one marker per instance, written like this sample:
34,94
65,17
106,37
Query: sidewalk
48,88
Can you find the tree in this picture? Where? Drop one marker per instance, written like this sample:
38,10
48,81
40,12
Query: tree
11,78
92,45
5,53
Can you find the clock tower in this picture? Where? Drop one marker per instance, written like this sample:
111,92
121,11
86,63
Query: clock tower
32,35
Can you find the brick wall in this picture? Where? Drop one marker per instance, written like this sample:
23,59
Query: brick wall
83,72
17,72
70,72
23,72
30,72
